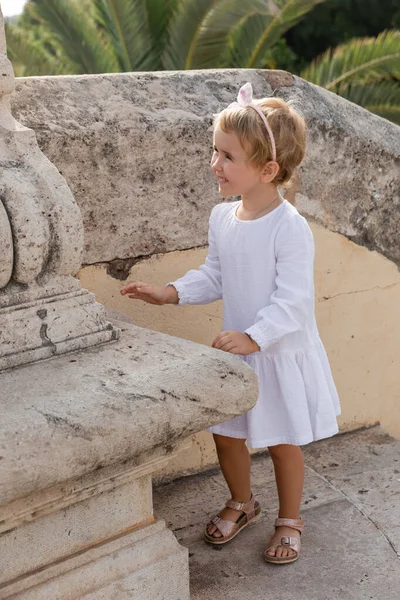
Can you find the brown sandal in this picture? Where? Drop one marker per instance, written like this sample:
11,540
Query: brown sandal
286,541
229,529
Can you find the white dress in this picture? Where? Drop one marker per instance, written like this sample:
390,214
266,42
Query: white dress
263,271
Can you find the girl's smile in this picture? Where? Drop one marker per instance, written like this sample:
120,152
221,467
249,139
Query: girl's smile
229,164
235,174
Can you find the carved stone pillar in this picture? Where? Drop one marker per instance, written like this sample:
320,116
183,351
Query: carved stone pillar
43,310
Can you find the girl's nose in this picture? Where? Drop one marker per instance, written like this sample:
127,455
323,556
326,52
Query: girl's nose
215,164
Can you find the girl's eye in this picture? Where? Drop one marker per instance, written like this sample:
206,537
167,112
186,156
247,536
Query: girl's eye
228,156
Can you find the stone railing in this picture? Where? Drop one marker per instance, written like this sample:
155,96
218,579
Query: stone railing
135,150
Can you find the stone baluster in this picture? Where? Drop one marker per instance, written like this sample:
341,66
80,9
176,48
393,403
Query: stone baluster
43,310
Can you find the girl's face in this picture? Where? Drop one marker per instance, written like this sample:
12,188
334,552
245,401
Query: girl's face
229,163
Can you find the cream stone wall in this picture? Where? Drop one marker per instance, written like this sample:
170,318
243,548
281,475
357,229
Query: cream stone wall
357,300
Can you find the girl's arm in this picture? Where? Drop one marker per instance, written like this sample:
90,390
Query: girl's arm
292,303
203,285
196,287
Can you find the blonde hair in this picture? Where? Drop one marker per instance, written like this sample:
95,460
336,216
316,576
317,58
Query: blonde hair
288,127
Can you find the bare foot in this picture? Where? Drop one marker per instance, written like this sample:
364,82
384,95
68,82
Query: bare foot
278,550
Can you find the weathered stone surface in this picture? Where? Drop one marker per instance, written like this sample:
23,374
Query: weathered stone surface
68,321
142,144
45,220
3,45
147,564
44,217
80,438
95,537
62,533
6,248
41,242
67,416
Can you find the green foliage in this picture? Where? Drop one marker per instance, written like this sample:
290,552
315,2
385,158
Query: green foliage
94,36
32,48
382,98
337,21
136,30
280,56
258,34
200,31
365,71
75,32
372,58
28,53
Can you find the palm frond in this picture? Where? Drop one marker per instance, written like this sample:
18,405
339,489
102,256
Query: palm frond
76,32
156,28
123,26
283,15
244,39
29,56
391,113
184,28
381,98
136,30
214,39
159,13
360,58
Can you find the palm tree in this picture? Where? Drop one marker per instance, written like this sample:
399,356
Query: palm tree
97,36
365,71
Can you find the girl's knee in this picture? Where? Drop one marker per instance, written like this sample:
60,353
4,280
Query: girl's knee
283,451
224,443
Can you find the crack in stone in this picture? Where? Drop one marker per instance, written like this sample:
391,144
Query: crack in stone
119,268
376,287
65,424
46,341
362,513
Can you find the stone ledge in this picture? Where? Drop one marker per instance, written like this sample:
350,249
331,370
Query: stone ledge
68,416
140,560
142,143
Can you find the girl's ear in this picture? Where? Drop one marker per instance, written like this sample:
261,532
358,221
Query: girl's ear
269,171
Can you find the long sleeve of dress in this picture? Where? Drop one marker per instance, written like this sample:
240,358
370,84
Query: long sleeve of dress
203,285
293,300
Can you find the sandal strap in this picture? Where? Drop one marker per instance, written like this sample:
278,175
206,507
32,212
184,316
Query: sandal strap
287,542
227,528
247,507
292,542
297,524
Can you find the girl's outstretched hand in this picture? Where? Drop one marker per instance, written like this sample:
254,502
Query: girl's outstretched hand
153,294
235,343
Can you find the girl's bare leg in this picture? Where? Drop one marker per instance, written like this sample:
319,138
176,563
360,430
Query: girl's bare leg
234,460
289,474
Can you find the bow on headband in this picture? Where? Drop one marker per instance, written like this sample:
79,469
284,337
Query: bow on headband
245,98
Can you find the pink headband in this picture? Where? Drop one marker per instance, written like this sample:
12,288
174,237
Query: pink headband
245,98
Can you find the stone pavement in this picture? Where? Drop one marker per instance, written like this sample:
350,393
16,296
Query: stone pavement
351,544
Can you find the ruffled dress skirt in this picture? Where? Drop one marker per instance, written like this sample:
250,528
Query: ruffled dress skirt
297,404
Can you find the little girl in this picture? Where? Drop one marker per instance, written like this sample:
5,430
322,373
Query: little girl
260,262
